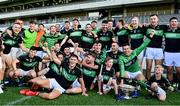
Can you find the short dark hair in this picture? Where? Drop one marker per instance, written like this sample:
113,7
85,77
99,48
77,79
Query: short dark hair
126,44
104,22
93,21
75,19
41,24
173,18
60,53
121,21
33,48
67,22
97,42
88,24
110,20
108,58
73,55
32,22
92,54
153,15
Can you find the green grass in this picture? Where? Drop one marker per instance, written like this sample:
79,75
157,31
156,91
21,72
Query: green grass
173,98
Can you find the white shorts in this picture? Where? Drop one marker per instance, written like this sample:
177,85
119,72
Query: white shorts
154,53
132,75
15,53
76,84
141,55
24,73
55,85
172,59
41,54
160,91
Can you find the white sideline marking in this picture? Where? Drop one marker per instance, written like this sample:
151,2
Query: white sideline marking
19,100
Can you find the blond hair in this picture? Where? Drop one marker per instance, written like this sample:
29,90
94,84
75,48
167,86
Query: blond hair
160,67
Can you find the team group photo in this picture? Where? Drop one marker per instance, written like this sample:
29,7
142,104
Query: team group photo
89,52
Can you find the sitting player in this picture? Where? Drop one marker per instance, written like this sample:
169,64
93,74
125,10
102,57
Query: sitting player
105,78
27,64
159,83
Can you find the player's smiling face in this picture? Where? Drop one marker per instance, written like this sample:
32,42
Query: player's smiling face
16,28
158,71
154,20
127,50
88,28
53,30
134,22
104,26
174,23
32,53
109,63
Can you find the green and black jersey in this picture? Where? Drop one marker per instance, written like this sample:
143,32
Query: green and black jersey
27,63
67,76
136,37
163,82
49,39
105,38
96,30
122,35
54,70
11,41
87,40
88,75
172,40
100,58
75,35
115,57
130,63
29,38
156,41
107,74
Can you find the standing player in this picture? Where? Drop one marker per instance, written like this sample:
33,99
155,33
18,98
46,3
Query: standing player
75,34
94,27
172,49
30,35
154,50
136,36
105,36
121,34
88,37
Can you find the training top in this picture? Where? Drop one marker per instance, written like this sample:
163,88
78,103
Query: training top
130,63
29,38
49,39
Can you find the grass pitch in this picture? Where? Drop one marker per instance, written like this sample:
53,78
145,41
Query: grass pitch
12,97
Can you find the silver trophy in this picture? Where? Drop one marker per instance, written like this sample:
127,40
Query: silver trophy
127,89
